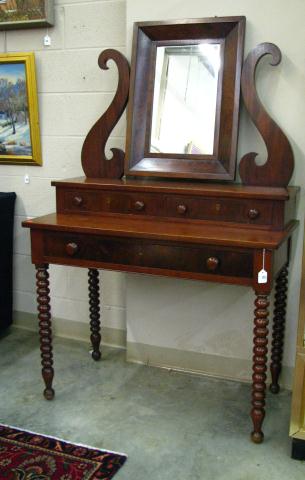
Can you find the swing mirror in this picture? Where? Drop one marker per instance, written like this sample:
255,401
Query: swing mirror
184,98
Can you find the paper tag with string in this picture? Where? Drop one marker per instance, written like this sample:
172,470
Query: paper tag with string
262,276
47,39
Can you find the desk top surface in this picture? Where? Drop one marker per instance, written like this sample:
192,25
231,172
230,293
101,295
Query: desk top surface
158,229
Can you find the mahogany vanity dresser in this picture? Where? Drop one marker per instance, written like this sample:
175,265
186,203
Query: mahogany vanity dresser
170,206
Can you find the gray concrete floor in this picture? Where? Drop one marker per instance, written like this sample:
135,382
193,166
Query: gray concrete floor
171,425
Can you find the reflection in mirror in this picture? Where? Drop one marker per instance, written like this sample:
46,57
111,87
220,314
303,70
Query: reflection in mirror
185,97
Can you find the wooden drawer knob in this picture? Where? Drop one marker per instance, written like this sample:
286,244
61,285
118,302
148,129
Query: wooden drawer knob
253,213
72,248
181,209
77,201
138,205
212,263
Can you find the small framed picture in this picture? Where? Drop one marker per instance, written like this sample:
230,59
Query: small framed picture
19,121
26,14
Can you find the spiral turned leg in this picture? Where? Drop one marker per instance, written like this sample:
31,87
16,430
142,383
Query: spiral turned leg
260,350
278,331
45,328
94,307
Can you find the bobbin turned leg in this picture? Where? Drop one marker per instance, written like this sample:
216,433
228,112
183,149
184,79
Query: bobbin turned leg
94,302
45,329
260,350
278,331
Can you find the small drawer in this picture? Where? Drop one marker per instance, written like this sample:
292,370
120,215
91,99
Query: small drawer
220,209
78,201
131,203
202,259
108,201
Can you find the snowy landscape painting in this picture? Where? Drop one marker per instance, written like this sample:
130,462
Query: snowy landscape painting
19,118
15,138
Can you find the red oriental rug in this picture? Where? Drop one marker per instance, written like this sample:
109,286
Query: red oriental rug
30,456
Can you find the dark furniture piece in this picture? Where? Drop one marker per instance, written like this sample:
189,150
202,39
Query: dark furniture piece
157,219
7,204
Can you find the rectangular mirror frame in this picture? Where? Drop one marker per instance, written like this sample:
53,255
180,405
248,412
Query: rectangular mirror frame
229,31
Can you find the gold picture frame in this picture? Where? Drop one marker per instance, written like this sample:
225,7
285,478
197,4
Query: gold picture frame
297,421
16,14
19,120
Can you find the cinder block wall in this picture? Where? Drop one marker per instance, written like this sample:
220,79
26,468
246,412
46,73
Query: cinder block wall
204,326
73,92
189,325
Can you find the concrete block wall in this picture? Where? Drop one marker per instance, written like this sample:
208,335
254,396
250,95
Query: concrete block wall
73,92
204,326
175,323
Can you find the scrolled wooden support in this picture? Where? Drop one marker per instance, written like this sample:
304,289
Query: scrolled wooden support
45,328
278,169
94,307
94,161
278,328
259,376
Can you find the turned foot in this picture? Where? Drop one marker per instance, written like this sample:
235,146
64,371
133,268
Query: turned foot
94,307
45,328
274,388
48,393
260,342
257,437
278,328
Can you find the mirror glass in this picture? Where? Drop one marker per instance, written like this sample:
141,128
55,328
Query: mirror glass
185,99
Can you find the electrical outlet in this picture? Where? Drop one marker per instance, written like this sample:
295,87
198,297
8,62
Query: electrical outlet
47,40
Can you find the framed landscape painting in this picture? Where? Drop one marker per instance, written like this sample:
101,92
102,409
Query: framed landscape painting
26,14
19,121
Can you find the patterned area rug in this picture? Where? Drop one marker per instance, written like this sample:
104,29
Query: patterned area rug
31,456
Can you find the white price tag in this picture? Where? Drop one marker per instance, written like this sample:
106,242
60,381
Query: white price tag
262,276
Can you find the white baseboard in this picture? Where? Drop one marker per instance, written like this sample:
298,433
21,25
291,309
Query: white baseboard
237,369
70,329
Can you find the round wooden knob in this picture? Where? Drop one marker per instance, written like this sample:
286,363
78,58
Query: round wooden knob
181,209
138,205
253,213
212,263
71,248
77,201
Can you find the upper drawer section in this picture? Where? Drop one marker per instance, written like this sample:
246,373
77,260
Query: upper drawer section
243,210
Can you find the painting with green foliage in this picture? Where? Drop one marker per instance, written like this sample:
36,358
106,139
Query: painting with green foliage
25,13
